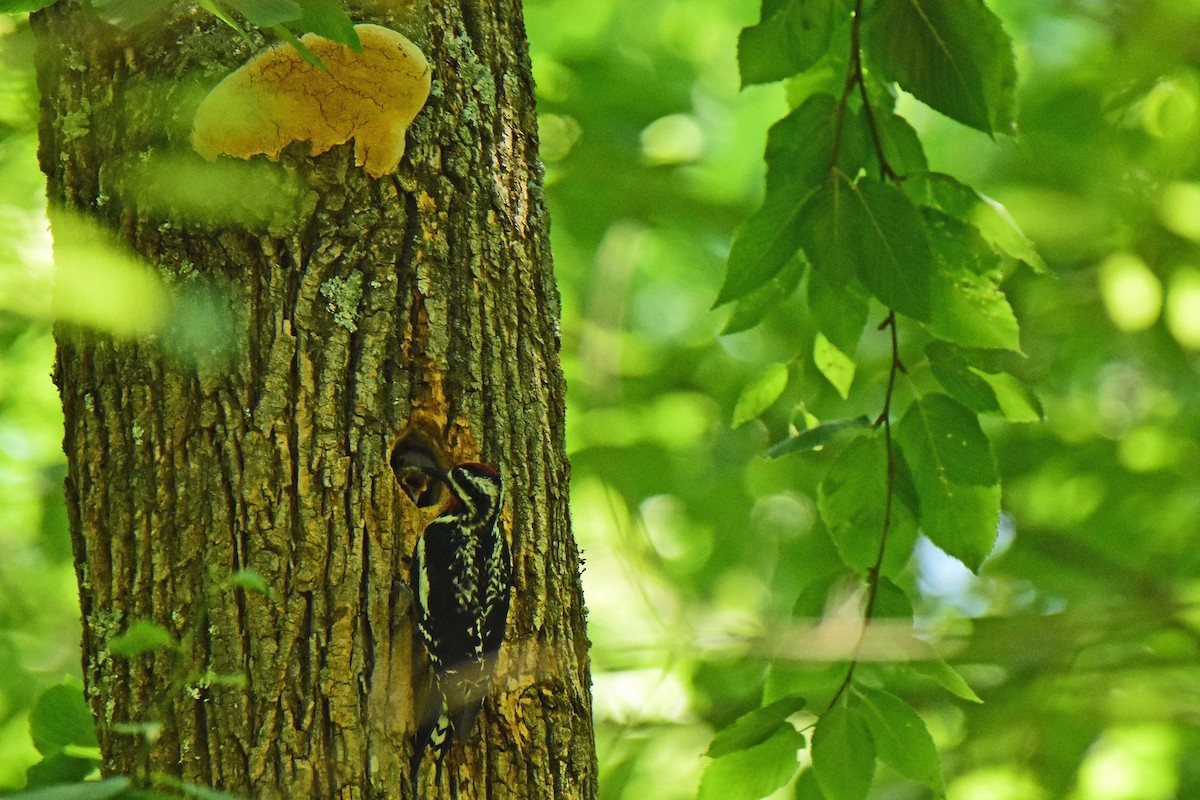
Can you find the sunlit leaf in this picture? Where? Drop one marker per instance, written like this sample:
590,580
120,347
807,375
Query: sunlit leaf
755,772
953,55
836,366
149,730
102,284
306,54
1016,400
754,727
901,739
790,37
215,8
946,676
992,219
968,306
978,379
249,580
760,393
61,718
328,18
143,636
185,189
843,754
957,377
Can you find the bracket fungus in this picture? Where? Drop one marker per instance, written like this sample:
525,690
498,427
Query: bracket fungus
276,98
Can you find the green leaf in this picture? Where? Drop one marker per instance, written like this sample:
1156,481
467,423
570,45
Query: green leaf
953,55
798,150
835,365
329,19
307,55
760,393
791,36
852,499
942,438
267,13
991,218
979,380
57,769
751,309
961,520
95,790
1017,401
840,313
22,6
142,636
946,676
807,787
755,727
872,231
213,8
959,379
891,602
968,306
61,717
901,739
815,438
249,580
761,247
901,145
756,772
843,755
954,474
149,730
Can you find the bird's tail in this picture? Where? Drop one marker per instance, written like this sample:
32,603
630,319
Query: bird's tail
434,736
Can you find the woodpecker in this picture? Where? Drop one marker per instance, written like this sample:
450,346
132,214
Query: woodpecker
462,583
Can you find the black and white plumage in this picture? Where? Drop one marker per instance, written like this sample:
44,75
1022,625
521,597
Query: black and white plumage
462,584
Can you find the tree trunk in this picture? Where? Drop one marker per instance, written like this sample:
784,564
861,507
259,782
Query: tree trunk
252,430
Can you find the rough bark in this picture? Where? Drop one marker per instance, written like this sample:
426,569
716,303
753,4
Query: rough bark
421,302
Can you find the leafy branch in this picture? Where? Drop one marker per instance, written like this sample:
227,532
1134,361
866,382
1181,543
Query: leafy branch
923,246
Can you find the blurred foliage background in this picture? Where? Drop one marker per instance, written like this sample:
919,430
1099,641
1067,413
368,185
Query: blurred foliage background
1082,631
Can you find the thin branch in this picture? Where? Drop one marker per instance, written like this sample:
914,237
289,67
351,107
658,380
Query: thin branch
876,569
855,77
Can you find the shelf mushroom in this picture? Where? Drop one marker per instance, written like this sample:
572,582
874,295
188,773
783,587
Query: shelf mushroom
277,98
